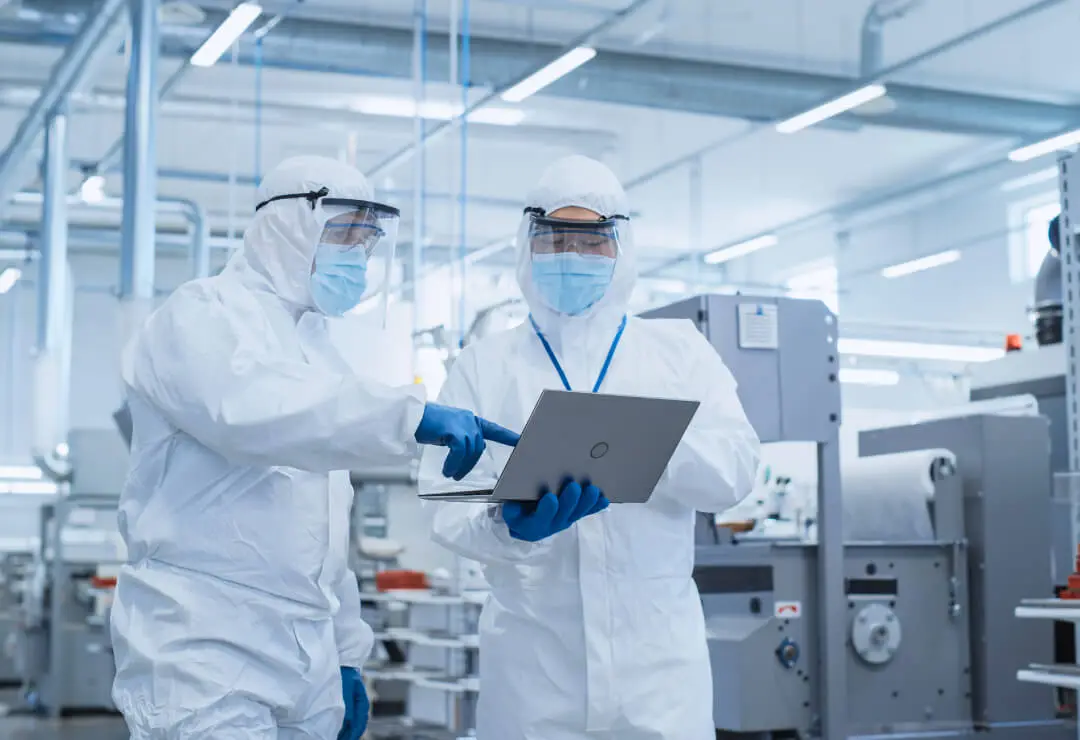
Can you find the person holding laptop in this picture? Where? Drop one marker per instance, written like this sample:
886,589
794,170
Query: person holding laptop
594,627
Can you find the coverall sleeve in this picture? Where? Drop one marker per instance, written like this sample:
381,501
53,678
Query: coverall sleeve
473,531
217,375
715,464
353,635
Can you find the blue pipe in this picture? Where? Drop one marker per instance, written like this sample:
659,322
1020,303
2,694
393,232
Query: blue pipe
420,167
466,80
258,107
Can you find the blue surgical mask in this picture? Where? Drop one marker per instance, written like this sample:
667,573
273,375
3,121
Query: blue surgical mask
570,283
339,279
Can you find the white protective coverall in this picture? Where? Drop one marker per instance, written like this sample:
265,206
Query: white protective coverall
237,606
597,631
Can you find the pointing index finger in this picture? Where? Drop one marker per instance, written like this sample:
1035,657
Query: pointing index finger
495,433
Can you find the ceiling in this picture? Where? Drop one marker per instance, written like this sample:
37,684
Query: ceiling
677,78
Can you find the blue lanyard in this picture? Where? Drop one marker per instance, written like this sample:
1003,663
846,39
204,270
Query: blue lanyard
558,367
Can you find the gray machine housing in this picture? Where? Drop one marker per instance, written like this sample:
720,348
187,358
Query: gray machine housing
1003,463
765,666
64,648
1041,374
923,631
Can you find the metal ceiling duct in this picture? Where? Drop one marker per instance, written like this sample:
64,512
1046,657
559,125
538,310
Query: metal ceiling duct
628,78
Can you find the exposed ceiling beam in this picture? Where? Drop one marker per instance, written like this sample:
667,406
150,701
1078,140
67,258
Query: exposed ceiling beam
627,78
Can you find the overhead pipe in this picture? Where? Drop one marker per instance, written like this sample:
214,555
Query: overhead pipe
403,154
171,173
626,78
872,49
64,77
140,167
193,213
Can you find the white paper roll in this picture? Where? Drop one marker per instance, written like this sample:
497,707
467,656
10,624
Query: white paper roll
885,496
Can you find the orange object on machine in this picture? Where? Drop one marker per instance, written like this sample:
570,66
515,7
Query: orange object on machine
1013,343
1072,587
401,580
103,582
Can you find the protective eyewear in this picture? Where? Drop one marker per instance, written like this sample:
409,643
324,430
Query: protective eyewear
354,230
549,235
350,225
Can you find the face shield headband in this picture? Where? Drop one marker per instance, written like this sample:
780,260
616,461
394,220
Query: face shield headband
549,235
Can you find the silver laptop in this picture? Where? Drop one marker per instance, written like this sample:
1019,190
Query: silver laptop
621,444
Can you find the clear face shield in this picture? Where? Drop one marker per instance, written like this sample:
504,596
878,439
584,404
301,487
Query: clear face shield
354,259
572,261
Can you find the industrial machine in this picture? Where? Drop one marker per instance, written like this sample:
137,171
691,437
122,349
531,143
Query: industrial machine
847,636
63,651
15,568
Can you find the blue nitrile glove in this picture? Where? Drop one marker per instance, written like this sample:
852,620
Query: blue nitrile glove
464,433
356,705
533,522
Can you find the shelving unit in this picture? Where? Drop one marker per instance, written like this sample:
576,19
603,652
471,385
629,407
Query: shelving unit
1065,676
1059,676
437,633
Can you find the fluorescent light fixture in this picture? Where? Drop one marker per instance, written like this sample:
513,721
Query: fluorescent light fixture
20,472
93,189
833,108
741,249
540,79
497,116
918,350
8,278
928,262
1035,178
227,33
866,376
29,487
1046,146
435,110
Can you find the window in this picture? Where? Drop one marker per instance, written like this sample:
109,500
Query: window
1029,221
819,283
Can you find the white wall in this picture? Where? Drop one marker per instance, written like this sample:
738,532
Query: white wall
95,388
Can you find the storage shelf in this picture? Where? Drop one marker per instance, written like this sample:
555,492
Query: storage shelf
1058,609
425,597
1066,677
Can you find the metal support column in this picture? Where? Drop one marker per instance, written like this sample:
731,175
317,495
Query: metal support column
832,612
52,363
1069,181
1070,294
52,267
140,159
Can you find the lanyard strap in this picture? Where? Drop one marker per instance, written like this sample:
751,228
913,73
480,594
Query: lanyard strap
558,367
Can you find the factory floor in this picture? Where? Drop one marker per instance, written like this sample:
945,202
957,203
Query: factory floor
21,727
